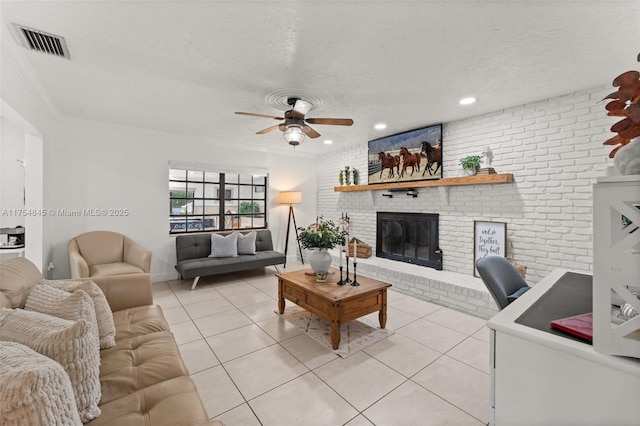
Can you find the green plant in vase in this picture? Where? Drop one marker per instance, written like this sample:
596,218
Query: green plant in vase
320,237
324,235
471,163
347,175
341,177
356,176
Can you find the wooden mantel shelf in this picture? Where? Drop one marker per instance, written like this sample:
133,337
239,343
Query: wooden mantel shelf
455,181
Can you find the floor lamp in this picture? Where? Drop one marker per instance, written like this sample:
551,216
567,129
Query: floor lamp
291,198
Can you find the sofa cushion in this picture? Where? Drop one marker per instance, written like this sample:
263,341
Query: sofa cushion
117,268
172,402
74,306
224,245
104,318
17,276
210,266
34,389
137,362
247,243
138,321
72,344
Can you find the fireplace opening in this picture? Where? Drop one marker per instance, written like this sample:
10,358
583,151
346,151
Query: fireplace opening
409,237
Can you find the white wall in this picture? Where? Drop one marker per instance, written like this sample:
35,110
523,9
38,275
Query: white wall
12,173
100,166
554,150
28,107
34,198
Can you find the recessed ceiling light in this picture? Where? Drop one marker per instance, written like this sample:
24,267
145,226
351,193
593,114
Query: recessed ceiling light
380,126
467,101
328,142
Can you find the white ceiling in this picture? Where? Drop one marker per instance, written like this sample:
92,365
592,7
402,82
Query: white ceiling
185,66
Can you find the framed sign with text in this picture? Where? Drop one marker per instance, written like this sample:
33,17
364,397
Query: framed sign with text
489,239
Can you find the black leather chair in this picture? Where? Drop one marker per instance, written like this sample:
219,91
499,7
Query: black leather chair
502,279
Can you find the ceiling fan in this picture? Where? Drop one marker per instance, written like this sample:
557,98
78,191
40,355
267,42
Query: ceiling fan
295,124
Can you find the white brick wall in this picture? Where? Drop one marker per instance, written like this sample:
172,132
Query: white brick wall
554,150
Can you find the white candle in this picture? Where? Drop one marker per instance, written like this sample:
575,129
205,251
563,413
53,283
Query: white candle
355,248
341,248
347,252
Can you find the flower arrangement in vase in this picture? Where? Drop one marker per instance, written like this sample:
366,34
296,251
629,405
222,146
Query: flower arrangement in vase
324,234
625,102
320,237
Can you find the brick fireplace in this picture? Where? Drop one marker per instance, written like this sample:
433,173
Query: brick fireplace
409,237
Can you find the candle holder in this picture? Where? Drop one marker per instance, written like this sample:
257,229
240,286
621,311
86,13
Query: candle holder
347,279
341,282
355,282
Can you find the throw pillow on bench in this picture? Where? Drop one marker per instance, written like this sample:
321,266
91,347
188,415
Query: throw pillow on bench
233,244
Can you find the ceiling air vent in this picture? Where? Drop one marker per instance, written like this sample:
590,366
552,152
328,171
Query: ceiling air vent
40,41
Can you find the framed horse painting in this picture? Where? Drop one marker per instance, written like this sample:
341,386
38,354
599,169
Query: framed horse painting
407,156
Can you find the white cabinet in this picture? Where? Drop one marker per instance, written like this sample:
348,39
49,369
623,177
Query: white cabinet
540,378
616,263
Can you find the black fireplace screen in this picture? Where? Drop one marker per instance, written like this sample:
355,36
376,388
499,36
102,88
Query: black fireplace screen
408,237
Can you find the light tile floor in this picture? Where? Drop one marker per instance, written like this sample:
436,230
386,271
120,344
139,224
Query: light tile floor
254,368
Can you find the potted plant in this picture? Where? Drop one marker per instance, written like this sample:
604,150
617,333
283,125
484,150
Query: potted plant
347,175
625,102
471,164
320,237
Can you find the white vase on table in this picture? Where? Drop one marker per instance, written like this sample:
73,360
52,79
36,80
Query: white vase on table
320,261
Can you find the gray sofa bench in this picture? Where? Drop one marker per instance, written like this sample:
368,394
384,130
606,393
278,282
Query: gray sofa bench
193,261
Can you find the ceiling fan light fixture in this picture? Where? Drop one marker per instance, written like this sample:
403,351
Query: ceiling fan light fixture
293,135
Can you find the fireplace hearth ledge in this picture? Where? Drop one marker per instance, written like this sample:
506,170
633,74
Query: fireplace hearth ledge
464,293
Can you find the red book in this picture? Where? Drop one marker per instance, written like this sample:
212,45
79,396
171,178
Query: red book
578,325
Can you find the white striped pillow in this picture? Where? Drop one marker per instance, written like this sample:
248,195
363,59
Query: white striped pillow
104,316
74,306
72,344
34,389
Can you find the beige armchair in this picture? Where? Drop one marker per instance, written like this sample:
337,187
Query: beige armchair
101,254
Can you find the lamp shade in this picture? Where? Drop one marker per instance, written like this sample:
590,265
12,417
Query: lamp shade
293,135
290,197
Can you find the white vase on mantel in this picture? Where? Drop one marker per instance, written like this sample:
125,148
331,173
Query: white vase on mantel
471,171
627,159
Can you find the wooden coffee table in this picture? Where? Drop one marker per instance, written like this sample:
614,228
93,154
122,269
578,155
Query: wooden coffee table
331,302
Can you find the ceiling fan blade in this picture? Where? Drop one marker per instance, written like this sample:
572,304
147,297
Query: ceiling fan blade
310,132
259,115
301,107
268,129
334,121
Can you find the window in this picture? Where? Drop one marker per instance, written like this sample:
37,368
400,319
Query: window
196,205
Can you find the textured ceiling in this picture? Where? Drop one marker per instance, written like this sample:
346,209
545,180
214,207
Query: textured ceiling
185,67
